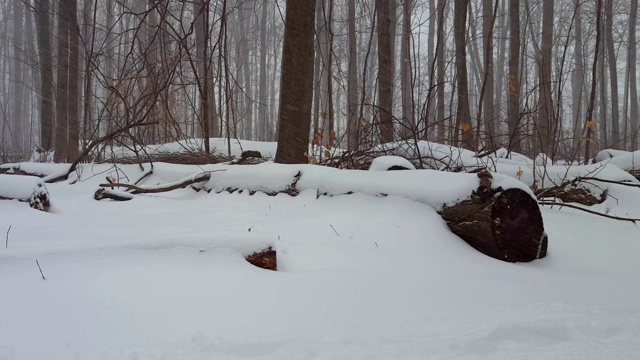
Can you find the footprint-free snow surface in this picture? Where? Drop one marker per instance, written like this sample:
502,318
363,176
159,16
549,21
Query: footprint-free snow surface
163,276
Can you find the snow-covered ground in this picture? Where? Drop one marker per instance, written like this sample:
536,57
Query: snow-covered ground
361,277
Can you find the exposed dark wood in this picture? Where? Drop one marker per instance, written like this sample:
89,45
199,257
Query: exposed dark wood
266,259
504,224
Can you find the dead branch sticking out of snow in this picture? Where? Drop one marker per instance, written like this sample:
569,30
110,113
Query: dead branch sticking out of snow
142,189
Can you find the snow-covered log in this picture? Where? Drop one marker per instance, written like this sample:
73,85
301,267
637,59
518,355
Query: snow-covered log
29,189
505,224
497,215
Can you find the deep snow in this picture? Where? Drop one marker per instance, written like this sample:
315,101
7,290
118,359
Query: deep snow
163,277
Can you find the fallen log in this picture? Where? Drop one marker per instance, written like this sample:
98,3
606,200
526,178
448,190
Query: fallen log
495,214
504,224
28,189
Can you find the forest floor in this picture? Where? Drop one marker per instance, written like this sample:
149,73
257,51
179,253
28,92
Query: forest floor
360,277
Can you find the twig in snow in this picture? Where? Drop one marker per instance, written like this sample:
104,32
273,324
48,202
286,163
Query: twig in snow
6,241
376,244
334,229
37,263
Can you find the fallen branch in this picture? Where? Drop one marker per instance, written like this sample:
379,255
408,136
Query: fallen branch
140,189
553,203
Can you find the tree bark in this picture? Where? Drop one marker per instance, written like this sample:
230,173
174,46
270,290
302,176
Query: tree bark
514,77
385,71
74,83
589,122
463,115
633,81
43,29
62,89
488,81
578,78
406,73
353,127
296,87
504,224
440,72
613,77
545,125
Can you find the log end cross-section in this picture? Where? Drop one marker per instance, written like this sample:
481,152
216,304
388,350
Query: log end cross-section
504,224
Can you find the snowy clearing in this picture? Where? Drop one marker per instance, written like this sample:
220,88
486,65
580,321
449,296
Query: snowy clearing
360,277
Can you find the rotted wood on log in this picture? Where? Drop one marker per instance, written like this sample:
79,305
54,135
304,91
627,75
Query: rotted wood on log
504,224
266,259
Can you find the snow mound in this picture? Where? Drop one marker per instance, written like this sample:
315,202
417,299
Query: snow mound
21,187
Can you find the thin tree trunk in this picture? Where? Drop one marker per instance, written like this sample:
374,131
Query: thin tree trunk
353,127
62,89
463,116
43,29
263,115
18,119
514,77
578,78
440,62
545,126
409,124
613,77
74,83
488,94
385,71
633,81
589,122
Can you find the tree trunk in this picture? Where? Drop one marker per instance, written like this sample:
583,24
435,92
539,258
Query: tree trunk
201,24
62,89
263,114
578,78
613,77
488,81
296,89
514,77
18,116
43,30
545,125
589,122
409,125
353,127
385,71
633,81
440,62
74,83
463,115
